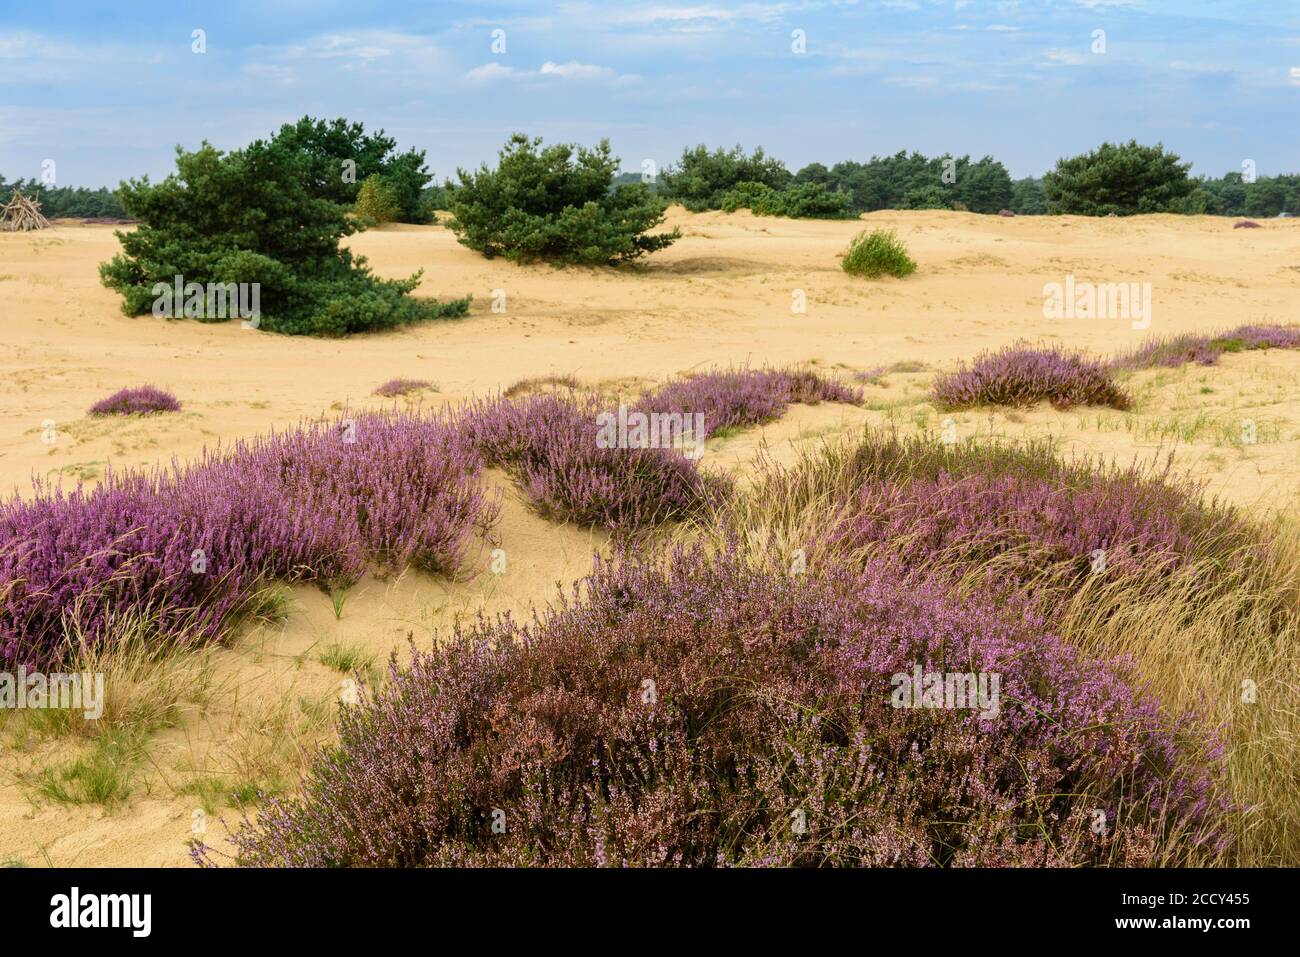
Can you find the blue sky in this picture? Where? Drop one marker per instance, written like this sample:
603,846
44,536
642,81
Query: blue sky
108,90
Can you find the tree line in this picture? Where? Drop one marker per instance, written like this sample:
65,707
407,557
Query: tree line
274,212
1124,179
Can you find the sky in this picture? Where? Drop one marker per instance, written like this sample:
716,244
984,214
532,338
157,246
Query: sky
108,90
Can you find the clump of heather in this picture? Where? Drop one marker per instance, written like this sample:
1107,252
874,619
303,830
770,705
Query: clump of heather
698,712
1172,351
141,400
396,387
736,399
1018,509
551,446
191,547
1023,375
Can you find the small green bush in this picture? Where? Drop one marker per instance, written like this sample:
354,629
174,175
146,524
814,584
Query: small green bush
555,204
376,202
877,253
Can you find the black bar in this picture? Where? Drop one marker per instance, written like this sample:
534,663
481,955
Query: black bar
457,909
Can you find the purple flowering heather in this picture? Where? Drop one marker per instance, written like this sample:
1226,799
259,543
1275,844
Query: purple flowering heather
549,444
736,399
1028,511
191,546
1173,351
142,400
1023,375
703,713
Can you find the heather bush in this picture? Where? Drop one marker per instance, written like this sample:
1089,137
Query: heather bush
190,547
549,445
741,398
987,498
1173,351
1194,593
400,386
1022,375
141,400
1018,509
878,253
556,204
706,714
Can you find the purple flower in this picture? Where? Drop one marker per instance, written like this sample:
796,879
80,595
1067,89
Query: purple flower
142,400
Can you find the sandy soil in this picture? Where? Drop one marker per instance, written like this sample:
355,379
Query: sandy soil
722,296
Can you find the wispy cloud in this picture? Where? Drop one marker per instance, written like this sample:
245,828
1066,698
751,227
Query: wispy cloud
1063,57
654,75
572,70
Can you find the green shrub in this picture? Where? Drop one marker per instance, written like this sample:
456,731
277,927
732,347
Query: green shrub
702,179
555,204
744,196
877,253
927,197
1124,179
1027,198
247,216
801,201
340,157
376,202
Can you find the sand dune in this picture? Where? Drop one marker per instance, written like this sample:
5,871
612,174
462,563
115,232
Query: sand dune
721,296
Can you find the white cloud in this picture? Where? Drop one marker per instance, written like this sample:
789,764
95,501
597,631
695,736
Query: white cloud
573,70
1295,76
489,71
27,56
659,13
398,58
913,82
1186,66
1065,57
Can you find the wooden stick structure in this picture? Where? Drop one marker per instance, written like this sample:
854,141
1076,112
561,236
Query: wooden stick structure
21,214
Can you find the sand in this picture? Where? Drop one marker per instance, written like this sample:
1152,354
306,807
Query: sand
721,296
